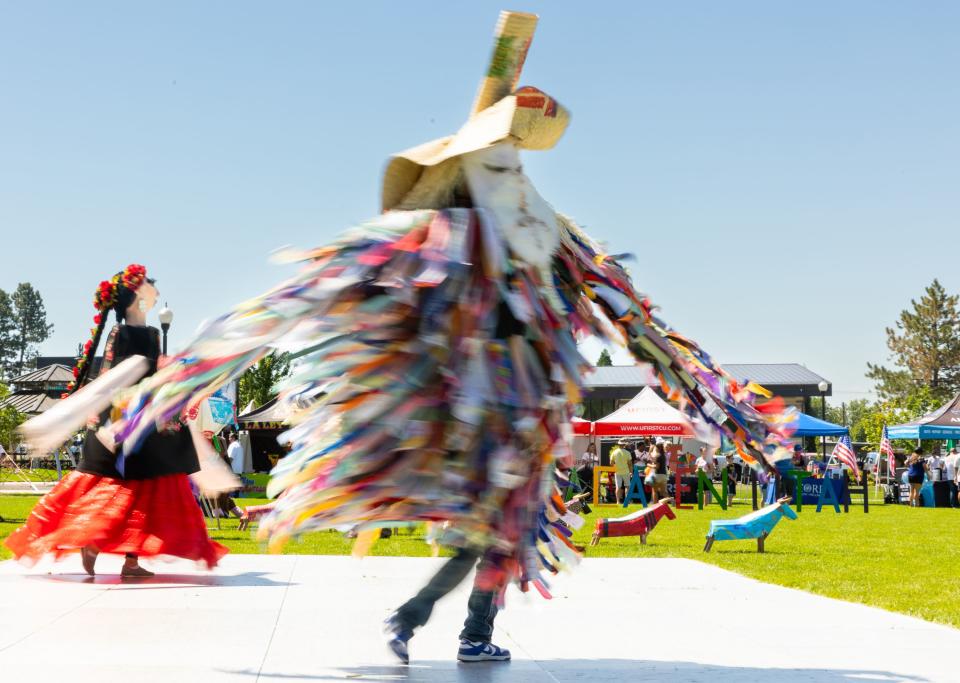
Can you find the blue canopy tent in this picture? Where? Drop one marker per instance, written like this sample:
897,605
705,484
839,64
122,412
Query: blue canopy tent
807,425
942,423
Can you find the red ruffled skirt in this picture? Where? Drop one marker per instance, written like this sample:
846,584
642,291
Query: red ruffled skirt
148,517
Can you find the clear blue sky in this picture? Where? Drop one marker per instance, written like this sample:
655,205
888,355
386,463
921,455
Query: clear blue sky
787,173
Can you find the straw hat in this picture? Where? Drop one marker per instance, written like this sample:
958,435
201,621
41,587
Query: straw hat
527,116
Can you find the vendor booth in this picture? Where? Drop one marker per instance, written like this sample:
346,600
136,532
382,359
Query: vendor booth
810,426
646,414
582,427
263,425
941,424
582,436
807,425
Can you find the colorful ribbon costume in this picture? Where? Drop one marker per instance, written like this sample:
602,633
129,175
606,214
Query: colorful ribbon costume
436,352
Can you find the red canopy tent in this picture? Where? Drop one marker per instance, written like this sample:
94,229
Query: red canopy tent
582,427
645,415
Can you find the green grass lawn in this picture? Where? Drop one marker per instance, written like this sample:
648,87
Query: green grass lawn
897,558
38,474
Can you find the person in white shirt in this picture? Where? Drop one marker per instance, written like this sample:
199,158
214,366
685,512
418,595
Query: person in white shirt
236,455
707,465
950,474
935,464
585,466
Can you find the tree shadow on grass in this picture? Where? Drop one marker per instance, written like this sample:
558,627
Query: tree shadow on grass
571,670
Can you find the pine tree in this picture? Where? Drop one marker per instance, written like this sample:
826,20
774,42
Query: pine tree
7,351
30,324
925,348
604,361
10,419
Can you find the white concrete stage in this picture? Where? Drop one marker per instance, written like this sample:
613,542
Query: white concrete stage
304,618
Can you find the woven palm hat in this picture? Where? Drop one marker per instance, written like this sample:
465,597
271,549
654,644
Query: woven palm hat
527,116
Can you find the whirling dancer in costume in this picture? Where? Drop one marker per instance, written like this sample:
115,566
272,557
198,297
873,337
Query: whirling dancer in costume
438,345
148,508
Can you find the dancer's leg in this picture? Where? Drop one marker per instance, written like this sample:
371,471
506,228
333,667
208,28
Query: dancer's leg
88,556
416,611
132,569
481,611
477,633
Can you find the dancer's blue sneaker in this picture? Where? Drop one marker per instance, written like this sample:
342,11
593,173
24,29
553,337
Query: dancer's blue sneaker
397,637
474,651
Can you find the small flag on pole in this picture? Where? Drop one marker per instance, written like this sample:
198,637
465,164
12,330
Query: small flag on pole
843,452
886,448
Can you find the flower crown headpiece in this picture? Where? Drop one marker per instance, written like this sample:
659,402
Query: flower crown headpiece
132,277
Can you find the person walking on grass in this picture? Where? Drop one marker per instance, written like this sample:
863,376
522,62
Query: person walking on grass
657,479
622,462
915,476
707,465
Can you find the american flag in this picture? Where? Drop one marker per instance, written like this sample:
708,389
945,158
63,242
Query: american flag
843,452
886,448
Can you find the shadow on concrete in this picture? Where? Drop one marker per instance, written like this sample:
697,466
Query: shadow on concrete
579,670
162,580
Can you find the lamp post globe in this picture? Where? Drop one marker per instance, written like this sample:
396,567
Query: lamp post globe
166,317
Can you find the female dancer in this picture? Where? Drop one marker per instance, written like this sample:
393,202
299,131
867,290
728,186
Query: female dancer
148,508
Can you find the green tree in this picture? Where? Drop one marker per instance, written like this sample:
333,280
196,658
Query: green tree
604,361
925,349
869,420
257,383
834,413
7,352
856,411
10,419
30,324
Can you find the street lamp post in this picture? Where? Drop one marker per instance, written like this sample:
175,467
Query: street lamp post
166,317
823,386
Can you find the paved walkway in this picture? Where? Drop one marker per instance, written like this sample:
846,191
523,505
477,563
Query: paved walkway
290,618
20,486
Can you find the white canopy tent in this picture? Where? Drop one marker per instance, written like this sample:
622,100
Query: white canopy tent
646,414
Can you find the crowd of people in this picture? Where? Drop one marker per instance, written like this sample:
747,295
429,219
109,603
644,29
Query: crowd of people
935,468
653,460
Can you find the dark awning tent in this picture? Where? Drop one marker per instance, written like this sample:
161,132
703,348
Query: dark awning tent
943,423
263,425
271,415
807,425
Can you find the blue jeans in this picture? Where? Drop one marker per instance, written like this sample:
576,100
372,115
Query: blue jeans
481,607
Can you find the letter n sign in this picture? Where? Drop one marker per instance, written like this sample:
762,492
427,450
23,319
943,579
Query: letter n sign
703,483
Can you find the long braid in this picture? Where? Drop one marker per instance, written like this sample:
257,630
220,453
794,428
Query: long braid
85,361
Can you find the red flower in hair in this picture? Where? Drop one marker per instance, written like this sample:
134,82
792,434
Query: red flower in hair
133,276
86,347
97,319
76,372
